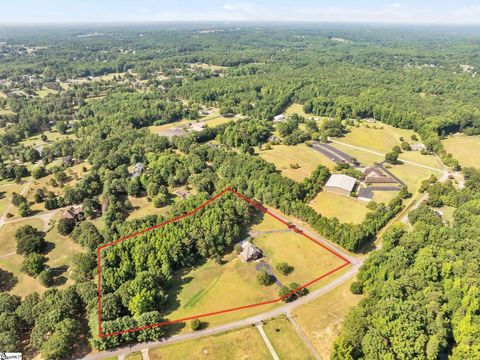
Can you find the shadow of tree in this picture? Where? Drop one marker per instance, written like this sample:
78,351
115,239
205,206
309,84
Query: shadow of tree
7,280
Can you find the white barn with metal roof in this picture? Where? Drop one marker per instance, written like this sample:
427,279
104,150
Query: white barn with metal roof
340,184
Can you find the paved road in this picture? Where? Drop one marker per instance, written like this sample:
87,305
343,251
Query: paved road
382,154
281,310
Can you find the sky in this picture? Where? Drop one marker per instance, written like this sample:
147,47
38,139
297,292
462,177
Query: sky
376,11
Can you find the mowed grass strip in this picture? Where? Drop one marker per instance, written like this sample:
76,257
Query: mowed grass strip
283,156
345,208
322,318
285,340
466,149
245,343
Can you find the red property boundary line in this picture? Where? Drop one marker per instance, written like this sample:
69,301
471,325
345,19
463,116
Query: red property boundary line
258,206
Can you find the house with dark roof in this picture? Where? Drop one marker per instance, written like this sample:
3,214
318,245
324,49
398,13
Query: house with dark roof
249,252
73,212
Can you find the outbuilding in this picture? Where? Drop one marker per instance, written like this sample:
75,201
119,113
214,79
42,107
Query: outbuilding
340,184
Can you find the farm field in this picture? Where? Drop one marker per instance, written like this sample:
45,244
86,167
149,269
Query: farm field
285,340
282,156
329,311
245,343
466,149
346,209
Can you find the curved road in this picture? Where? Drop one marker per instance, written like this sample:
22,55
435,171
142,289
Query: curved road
284,309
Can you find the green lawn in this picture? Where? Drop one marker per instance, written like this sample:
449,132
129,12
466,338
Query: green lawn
285,340
346,209
321,319
466,149
245,344
282,156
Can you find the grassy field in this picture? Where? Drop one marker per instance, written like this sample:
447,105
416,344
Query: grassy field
6,193
212,120
60,252
384,196
52,136
412,175
143,207
45,91
344,208
7,240
245,344
285,340
466,149
308,259
213,287
296,108
282,156
382,140
321,319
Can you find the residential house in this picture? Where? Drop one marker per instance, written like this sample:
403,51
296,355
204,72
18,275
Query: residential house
138,170
249,251
197,126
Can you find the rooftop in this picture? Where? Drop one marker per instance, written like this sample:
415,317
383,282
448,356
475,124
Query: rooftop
341,181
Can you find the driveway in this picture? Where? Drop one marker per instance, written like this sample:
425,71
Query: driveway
263,265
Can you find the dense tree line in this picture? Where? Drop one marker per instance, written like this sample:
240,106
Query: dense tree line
421,289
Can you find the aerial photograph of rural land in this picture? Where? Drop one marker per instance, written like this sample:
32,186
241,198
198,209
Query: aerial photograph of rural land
239,179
